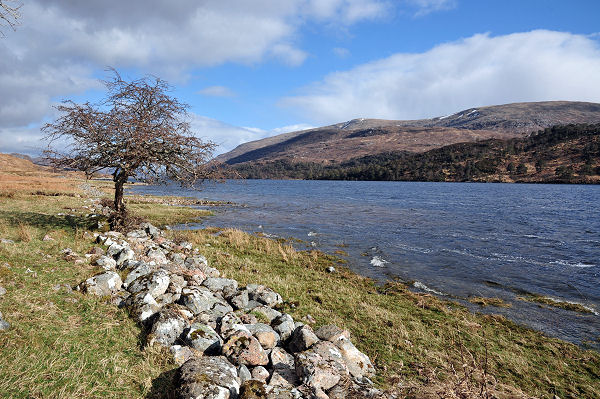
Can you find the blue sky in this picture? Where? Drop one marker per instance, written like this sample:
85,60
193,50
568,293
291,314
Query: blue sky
250,69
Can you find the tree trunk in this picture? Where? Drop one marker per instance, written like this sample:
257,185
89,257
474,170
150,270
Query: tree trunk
118,218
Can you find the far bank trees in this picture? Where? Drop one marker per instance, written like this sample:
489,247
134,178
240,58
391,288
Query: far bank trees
139,131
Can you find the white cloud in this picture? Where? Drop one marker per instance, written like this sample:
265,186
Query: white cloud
424,7
217,91
60,44
480,70
227,137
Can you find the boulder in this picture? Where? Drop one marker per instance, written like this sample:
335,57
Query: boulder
268,313
167,327
202,300
157,256
204,339
332,333
104,284
359,364
244,373
284,373
284,325
239,300
150,230
267,337
140,269
106,262
260,373
211,377
125,255
264,295
321,367
302,338
242,348
154,284
142,306
220,285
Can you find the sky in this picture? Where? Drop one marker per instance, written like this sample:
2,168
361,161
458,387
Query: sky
250,69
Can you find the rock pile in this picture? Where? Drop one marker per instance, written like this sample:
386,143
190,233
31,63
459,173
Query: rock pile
230,341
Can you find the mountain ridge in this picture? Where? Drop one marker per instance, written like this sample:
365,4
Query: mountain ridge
362,137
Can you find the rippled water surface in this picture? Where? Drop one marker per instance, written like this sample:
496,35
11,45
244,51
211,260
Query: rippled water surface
455,239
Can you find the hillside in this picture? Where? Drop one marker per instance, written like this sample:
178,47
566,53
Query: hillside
364,137
561,154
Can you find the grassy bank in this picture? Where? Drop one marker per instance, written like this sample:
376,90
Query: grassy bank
66,345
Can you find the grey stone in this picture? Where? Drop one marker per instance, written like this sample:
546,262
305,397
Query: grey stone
4,325
332,333
269,313
2,291
196,262
359,364
154,283
284,373
182,354
106,262
125,255
201,299
264,295
204,339
6,241
157,256
211,377
142,269
177,258
167,327
115,249
102,284
244,373
284,325
176,284
142,306
137,234
239,300
216,284
321,367
302,338
150,230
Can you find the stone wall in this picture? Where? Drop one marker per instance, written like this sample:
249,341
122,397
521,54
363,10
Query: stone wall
229,341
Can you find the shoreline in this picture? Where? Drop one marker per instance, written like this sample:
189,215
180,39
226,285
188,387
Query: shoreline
417,342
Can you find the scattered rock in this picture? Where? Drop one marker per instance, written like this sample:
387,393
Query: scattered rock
4,325
5,241
330,269
47,238
2,291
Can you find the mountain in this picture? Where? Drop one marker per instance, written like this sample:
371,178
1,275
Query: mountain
367,137
560,154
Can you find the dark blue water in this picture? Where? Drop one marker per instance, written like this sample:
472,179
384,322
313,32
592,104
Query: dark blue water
454,239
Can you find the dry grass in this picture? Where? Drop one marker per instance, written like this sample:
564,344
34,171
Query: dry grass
423,347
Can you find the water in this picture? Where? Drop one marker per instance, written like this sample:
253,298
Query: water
455,240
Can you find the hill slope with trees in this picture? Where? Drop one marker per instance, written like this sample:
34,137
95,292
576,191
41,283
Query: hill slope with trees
560,154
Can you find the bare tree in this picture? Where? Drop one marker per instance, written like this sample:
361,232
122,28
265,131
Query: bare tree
9,14
139,131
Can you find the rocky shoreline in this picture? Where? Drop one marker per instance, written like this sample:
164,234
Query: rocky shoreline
229,341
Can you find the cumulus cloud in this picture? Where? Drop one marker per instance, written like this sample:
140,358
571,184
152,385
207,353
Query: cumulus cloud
61,44
476,71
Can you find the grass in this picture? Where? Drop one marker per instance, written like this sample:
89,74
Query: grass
422,346
544,300
66,345
485,301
